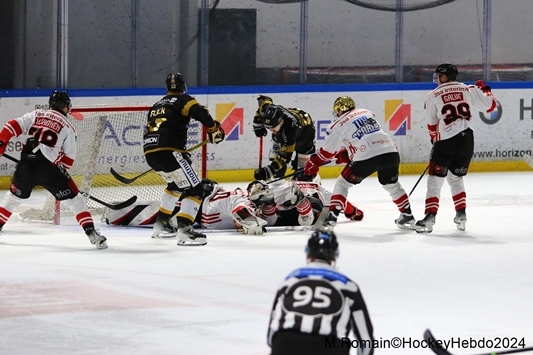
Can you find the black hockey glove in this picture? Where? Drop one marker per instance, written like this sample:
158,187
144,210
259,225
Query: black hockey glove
216,133
259,127
264,173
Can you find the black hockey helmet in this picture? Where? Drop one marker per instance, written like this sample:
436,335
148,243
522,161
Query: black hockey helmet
323,245
273,115
175,82
208,186
58,100
447,68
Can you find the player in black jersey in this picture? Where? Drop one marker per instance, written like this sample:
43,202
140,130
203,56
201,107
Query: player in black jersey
317,308
165,141
292,131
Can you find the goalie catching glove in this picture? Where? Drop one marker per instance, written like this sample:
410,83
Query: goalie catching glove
216,133
251,224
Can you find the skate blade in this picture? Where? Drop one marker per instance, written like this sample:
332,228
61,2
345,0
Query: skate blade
192,243
164,235
461,226
421,229
406,227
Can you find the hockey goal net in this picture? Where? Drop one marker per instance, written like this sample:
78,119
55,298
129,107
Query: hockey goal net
112,137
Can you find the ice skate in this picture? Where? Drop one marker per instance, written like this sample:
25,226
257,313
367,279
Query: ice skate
163,228
187,236
96,238
460,219
405,221
331,219
426,225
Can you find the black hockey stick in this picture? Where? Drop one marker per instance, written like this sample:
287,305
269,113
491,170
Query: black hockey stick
420,178
128,181
117,206
295,173
437,346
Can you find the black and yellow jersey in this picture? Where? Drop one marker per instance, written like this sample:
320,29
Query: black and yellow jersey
168,122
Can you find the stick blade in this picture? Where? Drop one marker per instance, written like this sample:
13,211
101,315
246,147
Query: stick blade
432,343
120,178
528,159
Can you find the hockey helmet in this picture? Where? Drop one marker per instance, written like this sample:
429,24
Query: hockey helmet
343,104
58,100
175,82
322,245
447,68
273,115
208,186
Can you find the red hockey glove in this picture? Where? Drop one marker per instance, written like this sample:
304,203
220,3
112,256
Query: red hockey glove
313,164
485,88
342,157
5,136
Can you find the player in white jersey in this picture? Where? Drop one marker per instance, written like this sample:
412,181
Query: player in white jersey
292,203
223,209
356,138
449,116
220,209
50,150
316,307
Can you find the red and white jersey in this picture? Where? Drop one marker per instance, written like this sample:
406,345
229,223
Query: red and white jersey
359,132
219,206
52,129
449,108
283,188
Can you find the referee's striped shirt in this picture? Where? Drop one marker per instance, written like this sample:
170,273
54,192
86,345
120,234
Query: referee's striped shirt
317,299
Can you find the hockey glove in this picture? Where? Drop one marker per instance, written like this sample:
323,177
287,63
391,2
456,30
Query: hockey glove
5,136
3,146
342,157
485,88
264,173
216,133
250,224
313,164
259,127
295,196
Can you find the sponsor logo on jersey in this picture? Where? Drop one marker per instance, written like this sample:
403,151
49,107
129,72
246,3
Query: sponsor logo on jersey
398,116
231,119
152,140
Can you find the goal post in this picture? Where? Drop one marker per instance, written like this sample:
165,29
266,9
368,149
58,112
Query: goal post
108,137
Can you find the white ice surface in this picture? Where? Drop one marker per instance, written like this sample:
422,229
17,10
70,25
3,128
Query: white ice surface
59,295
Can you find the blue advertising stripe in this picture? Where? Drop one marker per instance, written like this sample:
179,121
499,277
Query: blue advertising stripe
216,90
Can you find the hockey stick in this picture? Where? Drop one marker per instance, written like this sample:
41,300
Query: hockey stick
318,224
528,159
128,181
437,346
420,178
260,152
295,173
117,206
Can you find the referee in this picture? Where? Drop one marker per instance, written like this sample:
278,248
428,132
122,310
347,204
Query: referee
317,308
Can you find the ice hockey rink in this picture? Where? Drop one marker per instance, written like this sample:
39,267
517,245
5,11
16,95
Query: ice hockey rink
60,295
